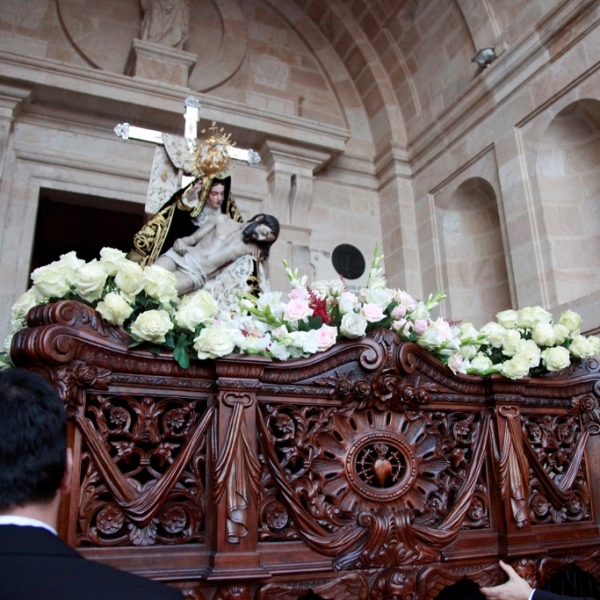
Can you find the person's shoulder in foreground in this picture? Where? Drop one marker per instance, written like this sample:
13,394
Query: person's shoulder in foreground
35,469
516,588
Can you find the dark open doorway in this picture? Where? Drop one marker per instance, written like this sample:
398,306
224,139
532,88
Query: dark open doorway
86,224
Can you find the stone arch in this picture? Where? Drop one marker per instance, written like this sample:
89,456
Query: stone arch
363,69
475,273
568,178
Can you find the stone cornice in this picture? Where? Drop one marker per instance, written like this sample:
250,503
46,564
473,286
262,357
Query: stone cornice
124,95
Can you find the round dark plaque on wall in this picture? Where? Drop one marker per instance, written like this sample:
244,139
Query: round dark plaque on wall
348,261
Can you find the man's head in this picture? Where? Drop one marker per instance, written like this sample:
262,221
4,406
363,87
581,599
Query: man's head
33,440
262,230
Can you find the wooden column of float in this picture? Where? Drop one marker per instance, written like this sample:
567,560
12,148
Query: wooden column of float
367,471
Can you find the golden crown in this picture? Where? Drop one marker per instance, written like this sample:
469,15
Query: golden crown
211,154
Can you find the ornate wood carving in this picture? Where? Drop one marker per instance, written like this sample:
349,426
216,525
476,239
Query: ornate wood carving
367,471
143,471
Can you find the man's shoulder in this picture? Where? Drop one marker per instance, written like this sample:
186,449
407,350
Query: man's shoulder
127,584
33,559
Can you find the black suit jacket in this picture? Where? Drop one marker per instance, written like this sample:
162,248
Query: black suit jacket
542,595
35,564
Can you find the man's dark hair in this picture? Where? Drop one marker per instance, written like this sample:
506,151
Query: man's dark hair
253,223
33,439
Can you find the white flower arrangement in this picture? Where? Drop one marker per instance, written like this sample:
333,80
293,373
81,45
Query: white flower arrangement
143,301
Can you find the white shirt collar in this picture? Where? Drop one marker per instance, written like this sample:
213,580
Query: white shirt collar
25,522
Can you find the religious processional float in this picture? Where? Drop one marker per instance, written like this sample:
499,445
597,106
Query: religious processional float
309,319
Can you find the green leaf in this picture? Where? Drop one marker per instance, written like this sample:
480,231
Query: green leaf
315,322
181,357
153,349
169,341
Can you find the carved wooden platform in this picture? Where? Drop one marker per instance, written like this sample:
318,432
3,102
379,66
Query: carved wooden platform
368,471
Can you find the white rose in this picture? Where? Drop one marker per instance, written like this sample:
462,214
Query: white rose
112,260
196,309
296,310
419,313
336,287
468,332
580,347
114,309
71,264
543,334
353,325
380,296
555,359
24,303
90,281
515,368
152,326
508,318
469,350
130,278
215,341
431,339
52,281
530,315
494,334
372,313
510,342
481,363
595,344
561,333
160,284
326,337
347,302
529,350
571,320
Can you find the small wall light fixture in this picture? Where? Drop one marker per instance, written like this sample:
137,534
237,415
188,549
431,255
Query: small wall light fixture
485,56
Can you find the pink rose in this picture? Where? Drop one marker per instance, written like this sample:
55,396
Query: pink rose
299,293
326,337
399,312
443,327
420,326
372,313
297,309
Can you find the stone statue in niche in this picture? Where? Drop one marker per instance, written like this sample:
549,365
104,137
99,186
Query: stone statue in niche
219,243
166,22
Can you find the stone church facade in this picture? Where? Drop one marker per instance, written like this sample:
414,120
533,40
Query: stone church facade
373,124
